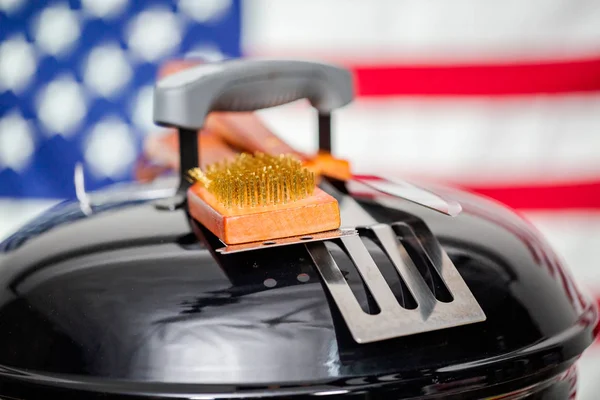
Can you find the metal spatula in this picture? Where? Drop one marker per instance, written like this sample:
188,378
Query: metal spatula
393,320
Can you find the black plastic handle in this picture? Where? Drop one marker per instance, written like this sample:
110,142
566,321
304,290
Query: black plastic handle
185,99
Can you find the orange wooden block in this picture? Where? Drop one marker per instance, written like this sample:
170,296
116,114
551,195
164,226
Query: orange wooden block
316,213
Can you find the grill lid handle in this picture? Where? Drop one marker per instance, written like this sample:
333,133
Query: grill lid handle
184,99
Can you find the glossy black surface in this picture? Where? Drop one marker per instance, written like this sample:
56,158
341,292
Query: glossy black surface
133,298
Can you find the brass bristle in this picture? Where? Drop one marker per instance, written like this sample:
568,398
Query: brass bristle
256,180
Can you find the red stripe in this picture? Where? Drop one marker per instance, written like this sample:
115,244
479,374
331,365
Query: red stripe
550,77
565,196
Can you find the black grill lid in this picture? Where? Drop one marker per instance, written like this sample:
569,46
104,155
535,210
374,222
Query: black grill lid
139,294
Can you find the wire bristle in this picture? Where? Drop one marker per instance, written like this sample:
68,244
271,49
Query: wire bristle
256,180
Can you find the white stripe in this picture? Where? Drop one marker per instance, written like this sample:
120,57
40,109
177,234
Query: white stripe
467,140
435,29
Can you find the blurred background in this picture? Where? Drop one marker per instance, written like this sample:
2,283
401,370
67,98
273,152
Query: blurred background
500,98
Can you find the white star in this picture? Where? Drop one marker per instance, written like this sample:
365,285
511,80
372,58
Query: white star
104,8
107,70
16,142
142,110
154,34
17,64
110,149
10,6
56,29
61,106
205,10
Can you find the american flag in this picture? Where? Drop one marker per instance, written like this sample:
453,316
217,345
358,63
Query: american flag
76,83
498,97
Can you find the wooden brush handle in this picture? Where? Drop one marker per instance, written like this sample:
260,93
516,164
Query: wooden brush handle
247,132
